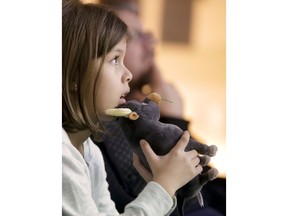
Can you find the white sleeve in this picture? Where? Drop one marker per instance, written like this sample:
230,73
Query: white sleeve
77,199
153,200
76,186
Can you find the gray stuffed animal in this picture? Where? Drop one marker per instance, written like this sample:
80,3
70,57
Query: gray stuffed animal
141,121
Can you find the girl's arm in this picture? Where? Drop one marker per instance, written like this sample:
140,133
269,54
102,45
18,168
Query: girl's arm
78,197
153,200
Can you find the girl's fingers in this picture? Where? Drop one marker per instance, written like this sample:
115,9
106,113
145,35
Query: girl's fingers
183,141
195,161
145,173
198,169
193,154
148,152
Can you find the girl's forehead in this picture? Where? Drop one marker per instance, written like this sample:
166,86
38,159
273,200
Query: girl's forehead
121,46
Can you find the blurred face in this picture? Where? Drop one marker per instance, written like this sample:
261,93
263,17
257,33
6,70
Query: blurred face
140,50
114,82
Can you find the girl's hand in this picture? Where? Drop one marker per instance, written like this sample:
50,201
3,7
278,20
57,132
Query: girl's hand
145,173
174,169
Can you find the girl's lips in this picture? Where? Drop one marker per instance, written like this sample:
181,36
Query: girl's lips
122,101
122,98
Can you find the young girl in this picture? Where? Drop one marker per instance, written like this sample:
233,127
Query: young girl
94,79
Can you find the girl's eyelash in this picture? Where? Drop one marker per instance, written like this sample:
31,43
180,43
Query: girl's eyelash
115,59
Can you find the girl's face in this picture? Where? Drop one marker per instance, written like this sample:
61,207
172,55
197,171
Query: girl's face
140,51
113,86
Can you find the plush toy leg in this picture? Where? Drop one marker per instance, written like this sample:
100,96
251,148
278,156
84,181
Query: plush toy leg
209,175
200,199
204,160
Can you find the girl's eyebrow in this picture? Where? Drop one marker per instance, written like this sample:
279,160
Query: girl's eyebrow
118,50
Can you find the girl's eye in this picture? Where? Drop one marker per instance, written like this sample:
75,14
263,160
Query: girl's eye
115,60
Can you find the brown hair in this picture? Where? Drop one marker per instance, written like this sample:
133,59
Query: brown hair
130,5
89,32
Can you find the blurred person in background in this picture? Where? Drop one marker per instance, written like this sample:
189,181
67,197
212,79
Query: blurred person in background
125,183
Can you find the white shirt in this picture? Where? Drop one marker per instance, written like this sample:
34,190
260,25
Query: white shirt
85,189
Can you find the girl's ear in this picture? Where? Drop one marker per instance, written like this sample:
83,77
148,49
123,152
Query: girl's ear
155,97
74,87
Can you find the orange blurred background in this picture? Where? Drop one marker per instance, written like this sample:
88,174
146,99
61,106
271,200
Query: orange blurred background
197,69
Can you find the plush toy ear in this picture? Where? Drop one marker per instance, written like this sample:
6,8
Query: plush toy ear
155,97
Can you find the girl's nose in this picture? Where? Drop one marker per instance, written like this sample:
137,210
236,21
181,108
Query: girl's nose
128,76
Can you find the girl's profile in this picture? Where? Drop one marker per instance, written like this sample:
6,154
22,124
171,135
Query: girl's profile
94,79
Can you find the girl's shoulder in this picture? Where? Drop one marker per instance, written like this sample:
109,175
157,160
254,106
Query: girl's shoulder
69,153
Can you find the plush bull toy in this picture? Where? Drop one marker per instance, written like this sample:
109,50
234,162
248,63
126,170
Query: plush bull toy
140,120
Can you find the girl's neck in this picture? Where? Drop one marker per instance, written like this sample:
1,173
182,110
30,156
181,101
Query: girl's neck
78,138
